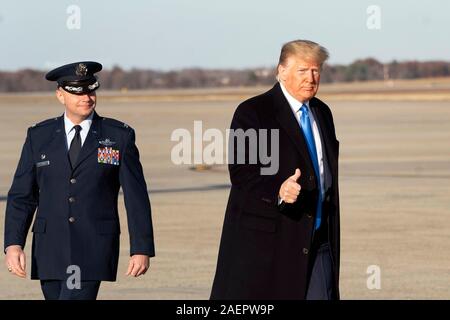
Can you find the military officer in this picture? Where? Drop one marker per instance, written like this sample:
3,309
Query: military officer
70,170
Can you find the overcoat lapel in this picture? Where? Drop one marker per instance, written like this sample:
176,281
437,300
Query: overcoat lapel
289,124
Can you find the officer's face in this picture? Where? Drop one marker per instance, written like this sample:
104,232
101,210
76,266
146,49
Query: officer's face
78,106
300,77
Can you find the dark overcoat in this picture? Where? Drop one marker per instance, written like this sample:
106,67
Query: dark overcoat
265,249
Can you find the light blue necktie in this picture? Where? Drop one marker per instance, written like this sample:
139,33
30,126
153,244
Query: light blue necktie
305,123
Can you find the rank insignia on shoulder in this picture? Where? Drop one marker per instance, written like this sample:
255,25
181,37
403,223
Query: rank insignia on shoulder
107,142
108,156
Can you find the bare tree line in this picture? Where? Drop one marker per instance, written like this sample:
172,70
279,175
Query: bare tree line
28,80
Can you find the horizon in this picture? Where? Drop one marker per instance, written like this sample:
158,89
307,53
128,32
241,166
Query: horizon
231,68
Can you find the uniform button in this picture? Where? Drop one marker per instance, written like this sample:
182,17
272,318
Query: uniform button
71,219
71,199
73,180
311,178
327,198
308,215
305,251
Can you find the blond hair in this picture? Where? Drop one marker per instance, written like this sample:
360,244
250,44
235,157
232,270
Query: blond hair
306,49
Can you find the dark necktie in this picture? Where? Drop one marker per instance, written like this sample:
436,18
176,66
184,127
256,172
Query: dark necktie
305,122
75,146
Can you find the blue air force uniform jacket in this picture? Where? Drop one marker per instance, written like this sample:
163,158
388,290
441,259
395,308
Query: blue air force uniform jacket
77,221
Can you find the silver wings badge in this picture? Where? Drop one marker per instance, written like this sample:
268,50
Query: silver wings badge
107,142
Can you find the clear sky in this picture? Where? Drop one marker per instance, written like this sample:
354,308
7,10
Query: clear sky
174,34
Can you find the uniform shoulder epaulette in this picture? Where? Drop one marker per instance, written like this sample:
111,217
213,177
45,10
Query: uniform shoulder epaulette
115,123
45,122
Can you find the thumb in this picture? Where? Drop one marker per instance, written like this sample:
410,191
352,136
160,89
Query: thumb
22,261
130,267
296,175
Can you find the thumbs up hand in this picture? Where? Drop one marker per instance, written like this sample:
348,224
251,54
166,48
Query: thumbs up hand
290,189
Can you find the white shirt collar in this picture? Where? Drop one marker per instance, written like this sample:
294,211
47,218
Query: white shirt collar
85,124
294,103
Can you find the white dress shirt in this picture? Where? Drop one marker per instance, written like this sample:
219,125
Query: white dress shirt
70,131
295,106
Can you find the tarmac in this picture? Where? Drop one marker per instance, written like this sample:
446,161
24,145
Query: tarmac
394,177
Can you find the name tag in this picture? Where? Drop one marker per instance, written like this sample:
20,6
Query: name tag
42,164
108,156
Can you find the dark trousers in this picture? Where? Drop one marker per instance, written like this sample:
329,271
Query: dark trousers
58,290
321,281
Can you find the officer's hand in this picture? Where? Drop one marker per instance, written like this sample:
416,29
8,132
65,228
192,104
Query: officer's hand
15,260
290,189
138,265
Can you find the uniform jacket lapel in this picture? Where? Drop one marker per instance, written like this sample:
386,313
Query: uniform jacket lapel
91,142
58,144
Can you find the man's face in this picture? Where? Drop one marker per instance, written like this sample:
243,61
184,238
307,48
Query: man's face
300,77
78,106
